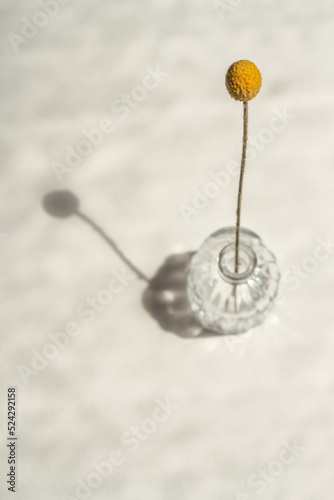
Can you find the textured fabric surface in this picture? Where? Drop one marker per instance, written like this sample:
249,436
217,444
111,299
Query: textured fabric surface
144,84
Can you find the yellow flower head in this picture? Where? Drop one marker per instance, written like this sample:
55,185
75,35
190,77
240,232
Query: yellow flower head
243,80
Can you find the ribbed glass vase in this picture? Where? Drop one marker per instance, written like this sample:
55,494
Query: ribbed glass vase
222,300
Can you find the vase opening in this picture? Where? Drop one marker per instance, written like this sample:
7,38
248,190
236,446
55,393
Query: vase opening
226,263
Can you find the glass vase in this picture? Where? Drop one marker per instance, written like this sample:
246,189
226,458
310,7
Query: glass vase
224,301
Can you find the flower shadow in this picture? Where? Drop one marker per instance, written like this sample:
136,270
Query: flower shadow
165,297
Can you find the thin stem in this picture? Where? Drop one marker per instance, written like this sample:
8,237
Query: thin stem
241,179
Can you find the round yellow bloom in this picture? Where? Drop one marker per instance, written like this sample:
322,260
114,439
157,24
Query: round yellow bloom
243,80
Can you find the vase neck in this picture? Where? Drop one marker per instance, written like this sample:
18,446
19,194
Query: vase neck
226,263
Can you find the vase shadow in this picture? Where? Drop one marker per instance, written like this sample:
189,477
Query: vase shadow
165,297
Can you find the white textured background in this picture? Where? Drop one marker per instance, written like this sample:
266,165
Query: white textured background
241,400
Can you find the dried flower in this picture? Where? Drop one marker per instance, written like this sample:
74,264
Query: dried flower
243,80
